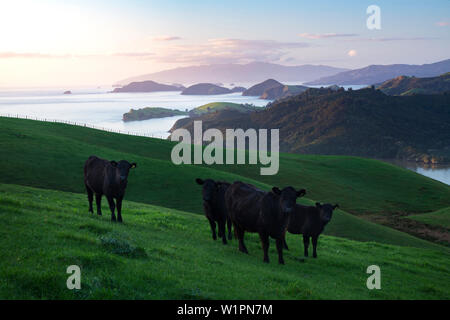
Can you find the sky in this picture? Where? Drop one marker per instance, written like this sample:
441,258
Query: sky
99,42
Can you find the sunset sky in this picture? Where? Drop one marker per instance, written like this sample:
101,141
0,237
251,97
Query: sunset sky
79,43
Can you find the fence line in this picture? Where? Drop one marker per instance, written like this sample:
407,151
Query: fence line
80,124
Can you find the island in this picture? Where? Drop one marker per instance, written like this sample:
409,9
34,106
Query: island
67,92
205,89
148,86
214,107
272,90
151,113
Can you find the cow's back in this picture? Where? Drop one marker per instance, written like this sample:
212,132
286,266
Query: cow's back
243,205
94,173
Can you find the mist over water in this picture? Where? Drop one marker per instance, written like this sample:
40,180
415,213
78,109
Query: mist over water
104,109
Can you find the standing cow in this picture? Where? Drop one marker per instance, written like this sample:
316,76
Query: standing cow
310,221
213,193
266,213
108,178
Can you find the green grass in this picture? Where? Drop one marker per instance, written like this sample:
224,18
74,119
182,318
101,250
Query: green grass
51,156
437,218
216,106
161,253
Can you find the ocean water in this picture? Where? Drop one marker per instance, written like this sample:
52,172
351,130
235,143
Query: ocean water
104,109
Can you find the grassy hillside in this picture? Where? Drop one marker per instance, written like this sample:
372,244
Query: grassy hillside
51,156
439,218
217,106
159,253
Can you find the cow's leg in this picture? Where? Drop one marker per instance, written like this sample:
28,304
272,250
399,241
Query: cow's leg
265,245
229,225
306,244
279,242
240,235
98,201
90,198
285,246
112,207
119,209
314,243
222,232
212,223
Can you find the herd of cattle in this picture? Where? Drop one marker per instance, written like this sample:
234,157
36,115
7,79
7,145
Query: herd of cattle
239,205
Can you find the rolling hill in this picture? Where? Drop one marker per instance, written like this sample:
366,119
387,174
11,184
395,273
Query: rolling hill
51,156
404,86
375,74
150,255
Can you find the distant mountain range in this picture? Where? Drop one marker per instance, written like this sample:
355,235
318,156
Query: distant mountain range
403,85
363,122
375,74
230,73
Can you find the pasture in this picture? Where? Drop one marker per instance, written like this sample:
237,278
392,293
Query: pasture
164,248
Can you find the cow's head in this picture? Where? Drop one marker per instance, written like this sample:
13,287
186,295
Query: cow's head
326,211
123,168
210,188
288,197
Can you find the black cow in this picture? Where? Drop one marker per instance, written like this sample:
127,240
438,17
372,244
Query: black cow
266,213
310,221
213,193
108,178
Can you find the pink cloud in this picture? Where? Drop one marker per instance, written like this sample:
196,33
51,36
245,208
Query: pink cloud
326,35
442,23
166,38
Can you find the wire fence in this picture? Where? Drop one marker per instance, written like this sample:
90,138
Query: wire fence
86,125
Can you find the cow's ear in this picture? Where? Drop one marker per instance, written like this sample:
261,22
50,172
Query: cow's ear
335,206
113,163
318,204
301,193
199,181
276,190
133,165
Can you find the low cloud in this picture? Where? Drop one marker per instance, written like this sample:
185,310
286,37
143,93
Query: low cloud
166,38
443,23
326,35
385,39
227,51
210,52
35,55
133,54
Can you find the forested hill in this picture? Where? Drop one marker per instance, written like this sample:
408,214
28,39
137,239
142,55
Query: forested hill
362,122
404,85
